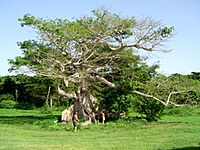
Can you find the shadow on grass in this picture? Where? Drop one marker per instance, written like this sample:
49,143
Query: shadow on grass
187,148
29,119
184,148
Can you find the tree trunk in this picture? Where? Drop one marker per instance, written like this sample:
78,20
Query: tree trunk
84,104
47,99
51,102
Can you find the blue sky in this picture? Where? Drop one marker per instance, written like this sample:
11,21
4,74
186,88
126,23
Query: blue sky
184,15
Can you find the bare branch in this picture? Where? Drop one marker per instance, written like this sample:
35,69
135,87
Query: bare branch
175,104
103,80
62,67
148,96
63,93
66,82
178,92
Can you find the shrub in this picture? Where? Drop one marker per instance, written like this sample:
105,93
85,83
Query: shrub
46,110
8,104
24,106
6,97
180,111
150,108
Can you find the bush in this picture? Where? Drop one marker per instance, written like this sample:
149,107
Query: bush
8,104
180,111
150,108
25,106
6,97
46,110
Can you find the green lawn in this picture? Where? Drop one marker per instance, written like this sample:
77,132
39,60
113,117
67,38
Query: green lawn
31,129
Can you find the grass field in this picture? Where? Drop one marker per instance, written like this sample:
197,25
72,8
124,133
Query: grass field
34,129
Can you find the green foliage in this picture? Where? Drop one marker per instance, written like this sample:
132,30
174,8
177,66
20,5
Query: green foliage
101,48
188,84
8,104
24,106
6,97
195,75
133,75
28,91
45,110
7,86
150,108
112,100
166,31
179,111
176,88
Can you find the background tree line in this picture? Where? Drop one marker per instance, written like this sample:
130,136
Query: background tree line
29,92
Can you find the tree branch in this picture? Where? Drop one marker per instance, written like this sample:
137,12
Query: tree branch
69,95
148,96
178,92
103,80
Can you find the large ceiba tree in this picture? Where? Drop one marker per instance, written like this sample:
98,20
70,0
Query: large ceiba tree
83,51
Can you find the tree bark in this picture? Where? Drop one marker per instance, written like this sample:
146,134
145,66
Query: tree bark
51,102
47,99
84,104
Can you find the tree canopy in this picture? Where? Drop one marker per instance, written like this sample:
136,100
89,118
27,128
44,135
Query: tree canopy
98,49
89,45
